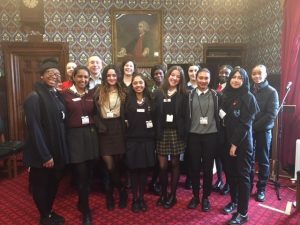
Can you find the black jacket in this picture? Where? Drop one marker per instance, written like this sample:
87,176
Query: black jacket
181,115
267,99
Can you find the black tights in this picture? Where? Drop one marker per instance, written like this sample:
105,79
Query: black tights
112,163
163,163
138,182
82,171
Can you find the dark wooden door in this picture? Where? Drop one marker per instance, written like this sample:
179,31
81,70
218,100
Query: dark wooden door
21,64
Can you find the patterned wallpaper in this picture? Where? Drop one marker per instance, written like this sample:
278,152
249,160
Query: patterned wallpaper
187,24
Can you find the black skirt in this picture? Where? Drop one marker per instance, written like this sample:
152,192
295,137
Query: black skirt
83,144
112,141
140,154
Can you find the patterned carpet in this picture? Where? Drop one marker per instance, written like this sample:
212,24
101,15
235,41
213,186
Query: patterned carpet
17,208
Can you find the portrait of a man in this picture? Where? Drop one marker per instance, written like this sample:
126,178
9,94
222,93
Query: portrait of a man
137,36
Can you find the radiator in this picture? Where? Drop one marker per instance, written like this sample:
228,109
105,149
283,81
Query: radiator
297,158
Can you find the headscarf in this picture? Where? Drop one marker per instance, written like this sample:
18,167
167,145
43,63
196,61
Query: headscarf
243,93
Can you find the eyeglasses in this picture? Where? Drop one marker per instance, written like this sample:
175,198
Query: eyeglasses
52,74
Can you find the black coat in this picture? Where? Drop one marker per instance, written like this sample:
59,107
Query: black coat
46,128
267,99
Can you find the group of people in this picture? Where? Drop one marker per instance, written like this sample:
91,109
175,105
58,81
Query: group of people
116,116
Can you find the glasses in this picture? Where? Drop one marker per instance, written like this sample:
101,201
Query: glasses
52,74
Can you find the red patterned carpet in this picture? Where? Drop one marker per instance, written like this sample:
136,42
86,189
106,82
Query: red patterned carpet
16,207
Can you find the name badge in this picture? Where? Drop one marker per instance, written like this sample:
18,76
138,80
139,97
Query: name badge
222,114
63,115
140,110
167,100
204,120
169,118
76,99
149,124
85,120
109,115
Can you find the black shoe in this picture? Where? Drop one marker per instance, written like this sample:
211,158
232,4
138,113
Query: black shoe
229,208
171,202
154,188
205,205
238,218
57,218
48,220
193,203
188,184
225,190
161,201
218,186
123,198
135,207
143,205
260,196
87,219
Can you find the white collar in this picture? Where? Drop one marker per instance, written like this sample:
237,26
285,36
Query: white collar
200,92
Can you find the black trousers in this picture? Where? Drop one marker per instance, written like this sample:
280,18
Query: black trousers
261,153
202,149
44,184
239,174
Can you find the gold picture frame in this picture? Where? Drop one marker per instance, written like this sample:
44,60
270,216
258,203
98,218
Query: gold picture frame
137,35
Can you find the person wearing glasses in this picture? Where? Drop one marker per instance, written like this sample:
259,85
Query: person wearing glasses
45,150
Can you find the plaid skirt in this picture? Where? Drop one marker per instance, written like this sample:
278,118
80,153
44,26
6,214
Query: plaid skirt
170,143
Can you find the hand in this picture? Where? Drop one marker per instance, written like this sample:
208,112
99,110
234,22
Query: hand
49,163
232,151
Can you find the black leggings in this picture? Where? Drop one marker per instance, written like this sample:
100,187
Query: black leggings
175,173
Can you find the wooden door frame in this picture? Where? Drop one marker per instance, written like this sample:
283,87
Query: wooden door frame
12,51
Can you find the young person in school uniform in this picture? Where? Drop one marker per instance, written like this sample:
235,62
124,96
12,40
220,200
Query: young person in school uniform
267,99
157,74
224,71
238,110
203,128
45,151
191,84
110,99
82,136
140,138
171,131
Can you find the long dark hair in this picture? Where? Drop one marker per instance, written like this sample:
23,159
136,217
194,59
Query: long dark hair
146,93
180,87
104,87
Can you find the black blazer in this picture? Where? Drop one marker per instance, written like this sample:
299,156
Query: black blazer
181,116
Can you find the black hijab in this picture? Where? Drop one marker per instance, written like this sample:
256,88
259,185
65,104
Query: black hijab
243,93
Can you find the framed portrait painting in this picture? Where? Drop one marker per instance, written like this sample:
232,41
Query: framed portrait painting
137,35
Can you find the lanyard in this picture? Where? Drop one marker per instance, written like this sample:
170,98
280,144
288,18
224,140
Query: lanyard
201,107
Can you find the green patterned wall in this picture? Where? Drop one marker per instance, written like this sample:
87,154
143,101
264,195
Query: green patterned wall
187,24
